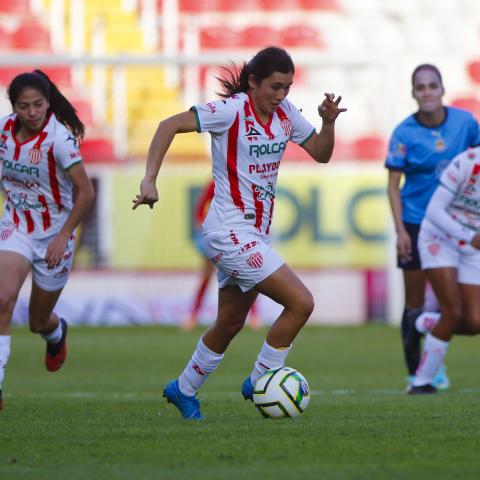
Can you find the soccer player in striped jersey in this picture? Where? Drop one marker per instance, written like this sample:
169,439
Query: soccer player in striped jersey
41,164
208,268
449,245
249,127
421,146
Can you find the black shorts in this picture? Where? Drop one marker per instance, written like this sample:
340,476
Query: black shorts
414,263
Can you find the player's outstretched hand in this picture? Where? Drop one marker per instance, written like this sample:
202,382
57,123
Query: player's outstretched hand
329,109
148,194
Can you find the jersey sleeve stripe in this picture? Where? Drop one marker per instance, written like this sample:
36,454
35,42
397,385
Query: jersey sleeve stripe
232,166
311,133
197,119
72,165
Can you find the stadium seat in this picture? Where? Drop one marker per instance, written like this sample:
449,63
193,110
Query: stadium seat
219,37
97,150
473,69
295,153
15,7
279,4
369,147
259,36
229,6
300,35
319,5
471,104
31,35
198,6
5,40
84,111
342,151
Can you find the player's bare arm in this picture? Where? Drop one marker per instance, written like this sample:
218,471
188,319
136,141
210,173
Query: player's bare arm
83,202
167,129
320,146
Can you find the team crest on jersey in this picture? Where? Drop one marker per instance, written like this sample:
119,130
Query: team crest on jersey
255,260
440,144
286,125
35,154
400,149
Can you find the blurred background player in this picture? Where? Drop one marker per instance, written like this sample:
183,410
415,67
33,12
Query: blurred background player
249,128
208,268
449,244
421,146
41,164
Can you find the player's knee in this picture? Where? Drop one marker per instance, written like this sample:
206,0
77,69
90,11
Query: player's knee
7,302
305,305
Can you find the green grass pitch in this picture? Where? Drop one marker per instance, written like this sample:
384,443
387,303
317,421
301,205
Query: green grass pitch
102,416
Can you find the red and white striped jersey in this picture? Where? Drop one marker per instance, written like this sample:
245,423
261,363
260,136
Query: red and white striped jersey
34,176
246,156
462,178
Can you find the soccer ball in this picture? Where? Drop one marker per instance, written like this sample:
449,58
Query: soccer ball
281,392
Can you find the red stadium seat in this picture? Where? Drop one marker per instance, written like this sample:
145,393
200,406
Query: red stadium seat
59,75
97,150
369,147
31,35
319,5
342,151
279,4
259,36
15,7
5,40
300,36
229,6
295,153
84,111
473,69
198,6
471,104
219,37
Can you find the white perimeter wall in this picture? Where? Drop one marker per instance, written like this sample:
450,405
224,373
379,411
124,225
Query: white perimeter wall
106,298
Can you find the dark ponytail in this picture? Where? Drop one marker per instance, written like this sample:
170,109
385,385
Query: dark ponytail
262,65
59,105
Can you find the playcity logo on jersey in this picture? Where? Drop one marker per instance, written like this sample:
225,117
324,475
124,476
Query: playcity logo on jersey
266,149
212,107
255,260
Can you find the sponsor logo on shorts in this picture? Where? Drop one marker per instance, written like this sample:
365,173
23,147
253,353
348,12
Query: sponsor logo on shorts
233,237
248,246
6,233
255,260
62,272
217,257
434,248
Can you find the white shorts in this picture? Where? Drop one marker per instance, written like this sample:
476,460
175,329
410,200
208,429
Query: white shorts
34,250
242,257
437,250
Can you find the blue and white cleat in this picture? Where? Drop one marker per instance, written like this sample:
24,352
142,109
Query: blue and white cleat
247,389
189,407
441,380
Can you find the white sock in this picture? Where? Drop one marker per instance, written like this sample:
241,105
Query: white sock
55,336
434,352
267,359
426,321
203,362
4,354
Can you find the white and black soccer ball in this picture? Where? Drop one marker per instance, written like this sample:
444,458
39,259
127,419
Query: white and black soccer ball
281,392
